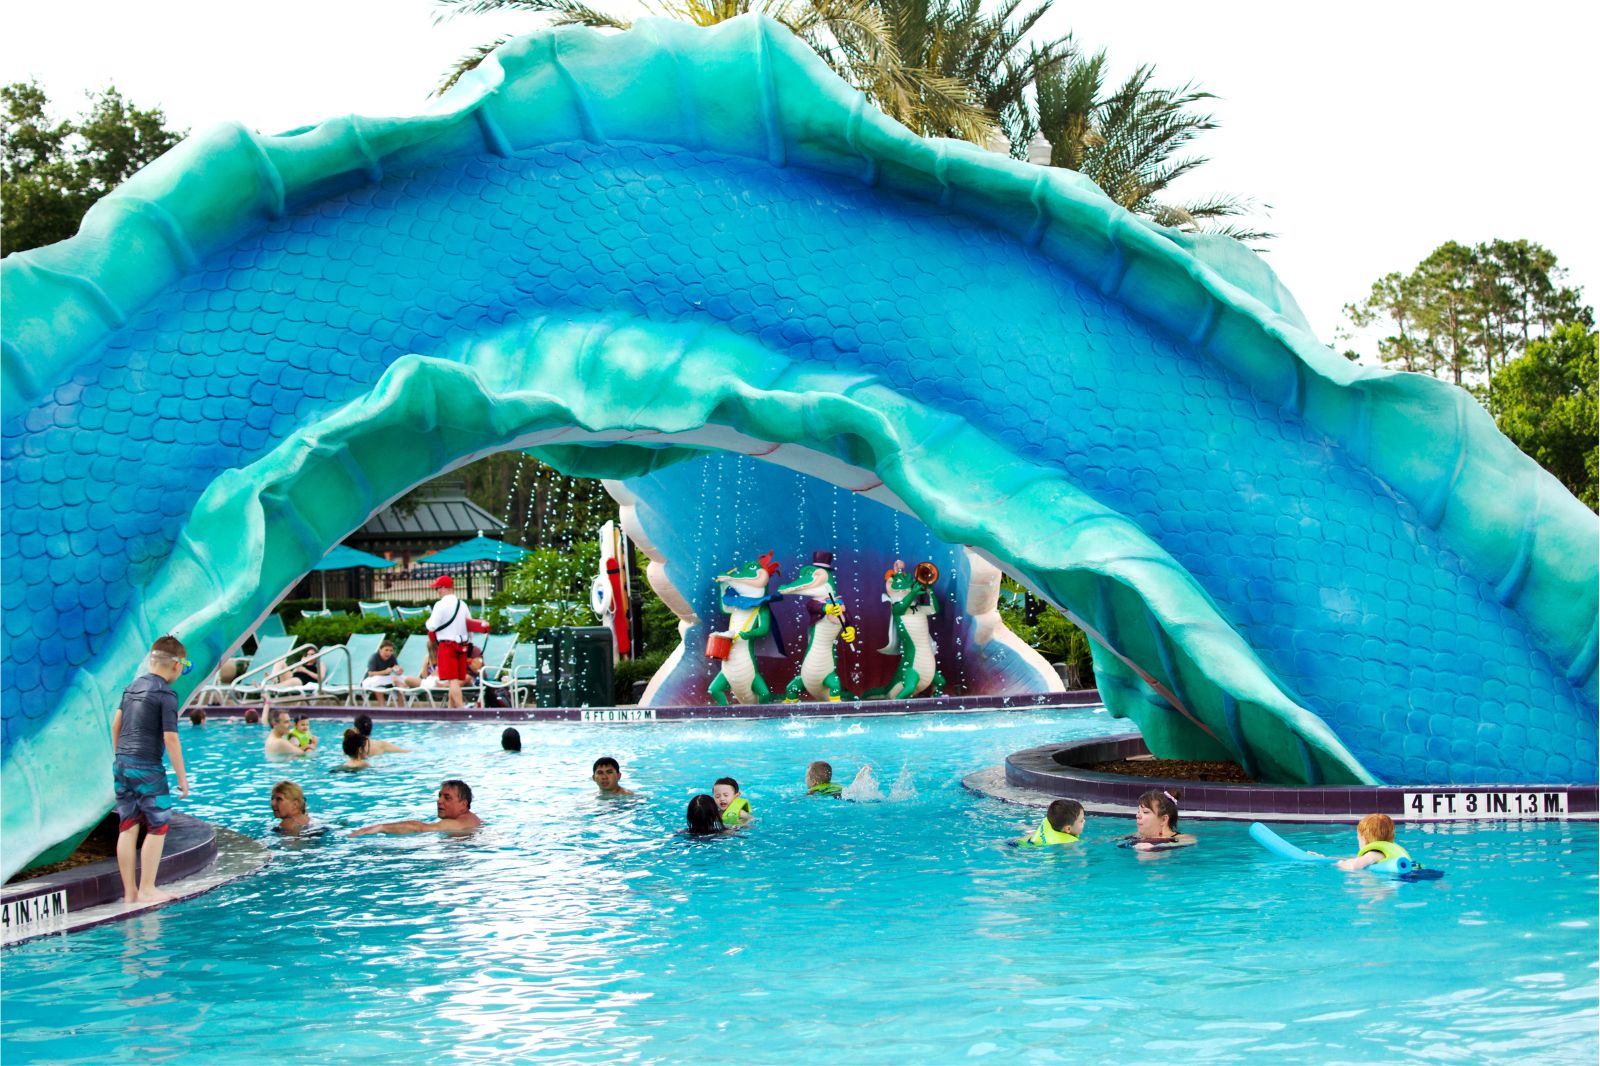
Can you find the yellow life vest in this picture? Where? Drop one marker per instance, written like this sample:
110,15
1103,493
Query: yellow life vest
1386,848
738,806
1046,835
827,788
300,739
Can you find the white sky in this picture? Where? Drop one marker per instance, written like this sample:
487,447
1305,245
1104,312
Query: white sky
1375,130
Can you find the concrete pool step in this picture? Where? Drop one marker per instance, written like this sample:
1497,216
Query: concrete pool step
198,858
1035,776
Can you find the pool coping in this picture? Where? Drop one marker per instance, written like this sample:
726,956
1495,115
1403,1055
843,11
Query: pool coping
1035,776
198,858
693,712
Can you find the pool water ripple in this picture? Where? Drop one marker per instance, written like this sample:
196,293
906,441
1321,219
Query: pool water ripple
577,929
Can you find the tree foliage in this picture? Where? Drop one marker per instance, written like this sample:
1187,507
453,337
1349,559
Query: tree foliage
54,171
1129,141
1464,313
949,68
1548,406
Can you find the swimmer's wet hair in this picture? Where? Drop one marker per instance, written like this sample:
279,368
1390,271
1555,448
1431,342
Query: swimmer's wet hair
364,724
704,816
197,716
462,789
1062,813
1376,827
354,743
606,760
510,740
819,773
1163,802
730,782
291,792
252,716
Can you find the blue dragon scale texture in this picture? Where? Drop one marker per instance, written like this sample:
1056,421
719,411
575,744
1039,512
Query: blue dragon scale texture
595,243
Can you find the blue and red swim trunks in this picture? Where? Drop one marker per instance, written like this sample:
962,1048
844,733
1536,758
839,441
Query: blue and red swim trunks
141,795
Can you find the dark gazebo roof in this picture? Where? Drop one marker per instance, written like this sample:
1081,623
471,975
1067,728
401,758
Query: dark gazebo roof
444,513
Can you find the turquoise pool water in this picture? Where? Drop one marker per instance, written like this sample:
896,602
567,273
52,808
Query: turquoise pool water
579,930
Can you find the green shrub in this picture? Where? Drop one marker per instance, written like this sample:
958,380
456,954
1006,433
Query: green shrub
641,669
337,630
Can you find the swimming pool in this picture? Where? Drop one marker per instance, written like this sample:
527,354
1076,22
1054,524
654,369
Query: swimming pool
575,929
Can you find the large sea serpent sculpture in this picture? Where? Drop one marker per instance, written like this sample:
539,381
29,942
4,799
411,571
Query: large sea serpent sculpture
676,237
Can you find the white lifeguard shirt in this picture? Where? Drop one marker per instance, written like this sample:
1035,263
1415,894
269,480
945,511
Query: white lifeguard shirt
457,629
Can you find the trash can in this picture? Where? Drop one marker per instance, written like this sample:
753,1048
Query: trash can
585,654
547,667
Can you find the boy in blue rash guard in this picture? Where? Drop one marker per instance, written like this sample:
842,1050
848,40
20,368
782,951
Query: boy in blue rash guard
144,725
1062,824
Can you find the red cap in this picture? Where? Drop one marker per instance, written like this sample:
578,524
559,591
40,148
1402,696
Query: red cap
445,582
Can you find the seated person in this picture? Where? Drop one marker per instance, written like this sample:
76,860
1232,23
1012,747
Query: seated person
819,781
1157,822
363,725
1062,824
704,818
454,805
511,740
1375,840
384,673
355,751
734,808
302,735
197,717
278,742
305,670
607,774
289,807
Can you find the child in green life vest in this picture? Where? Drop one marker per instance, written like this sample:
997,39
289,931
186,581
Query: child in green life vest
1376,835
302,735
819,781
1062,824
734,807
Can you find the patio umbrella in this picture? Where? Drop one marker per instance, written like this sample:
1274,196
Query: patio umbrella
346,558
479,549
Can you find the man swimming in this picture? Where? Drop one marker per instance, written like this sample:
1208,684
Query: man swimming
454,804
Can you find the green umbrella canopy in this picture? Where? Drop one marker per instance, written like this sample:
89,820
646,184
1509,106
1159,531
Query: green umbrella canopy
344,558
477,550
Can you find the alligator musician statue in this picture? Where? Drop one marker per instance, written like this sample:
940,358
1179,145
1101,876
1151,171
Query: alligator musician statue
818,676
751,631
912,604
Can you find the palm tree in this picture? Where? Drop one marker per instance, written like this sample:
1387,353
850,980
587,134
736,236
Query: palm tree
1127,142
854,37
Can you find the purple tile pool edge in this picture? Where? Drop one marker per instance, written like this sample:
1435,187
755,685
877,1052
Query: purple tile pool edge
1046,769
932,705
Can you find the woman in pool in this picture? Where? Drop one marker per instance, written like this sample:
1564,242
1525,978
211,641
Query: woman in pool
704,817
1157,821
289,805
356,750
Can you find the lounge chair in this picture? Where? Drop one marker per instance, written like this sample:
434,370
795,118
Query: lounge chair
519,675
270,656
380,609
413,612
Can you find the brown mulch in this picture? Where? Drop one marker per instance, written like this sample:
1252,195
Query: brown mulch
1230,773
92,850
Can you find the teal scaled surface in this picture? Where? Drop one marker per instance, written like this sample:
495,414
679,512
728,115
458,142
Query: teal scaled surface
1328,573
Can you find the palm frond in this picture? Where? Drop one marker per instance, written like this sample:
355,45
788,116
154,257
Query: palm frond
468,61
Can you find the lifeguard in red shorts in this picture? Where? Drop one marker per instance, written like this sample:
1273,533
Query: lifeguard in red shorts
448,625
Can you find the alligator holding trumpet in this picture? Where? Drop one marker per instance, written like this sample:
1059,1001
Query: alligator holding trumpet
751,631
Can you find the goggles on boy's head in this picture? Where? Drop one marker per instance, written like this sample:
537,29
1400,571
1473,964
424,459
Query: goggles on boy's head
182,661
